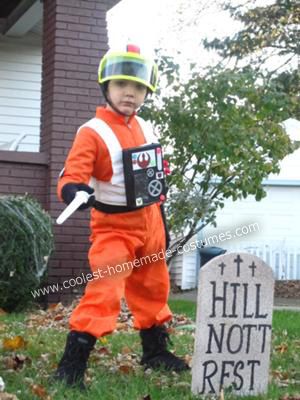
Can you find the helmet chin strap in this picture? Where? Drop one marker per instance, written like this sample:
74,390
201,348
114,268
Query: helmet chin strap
104,91
117,110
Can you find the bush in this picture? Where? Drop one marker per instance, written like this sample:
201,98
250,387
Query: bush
26,242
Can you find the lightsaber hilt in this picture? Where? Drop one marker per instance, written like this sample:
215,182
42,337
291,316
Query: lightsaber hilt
80,198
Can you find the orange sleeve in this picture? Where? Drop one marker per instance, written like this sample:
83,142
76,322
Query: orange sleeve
80,163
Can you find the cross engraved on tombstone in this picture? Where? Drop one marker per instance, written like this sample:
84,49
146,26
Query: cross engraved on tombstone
222,266
233,327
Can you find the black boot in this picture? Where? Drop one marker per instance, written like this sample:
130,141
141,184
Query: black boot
155,353
73,364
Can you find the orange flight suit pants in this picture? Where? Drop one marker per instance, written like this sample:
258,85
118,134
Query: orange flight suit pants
127,260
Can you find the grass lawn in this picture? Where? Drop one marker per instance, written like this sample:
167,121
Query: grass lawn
114,372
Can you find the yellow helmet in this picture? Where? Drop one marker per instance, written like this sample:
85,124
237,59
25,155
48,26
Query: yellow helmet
129,65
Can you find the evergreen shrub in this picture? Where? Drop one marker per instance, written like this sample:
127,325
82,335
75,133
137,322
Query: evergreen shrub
26,242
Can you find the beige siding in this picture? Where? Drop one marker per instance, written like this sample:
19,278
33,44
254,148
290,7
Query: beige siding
183,269
20,91
176,270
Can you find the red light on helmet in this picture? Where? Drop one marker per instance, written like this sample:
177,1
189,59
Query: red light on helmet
132,48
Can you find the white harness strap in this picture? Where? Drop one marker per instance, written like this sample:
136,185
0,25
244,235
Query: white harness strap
147,130
113,192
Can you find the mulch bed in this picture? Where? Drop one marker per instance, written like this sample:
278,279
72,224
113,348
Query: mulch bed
287,289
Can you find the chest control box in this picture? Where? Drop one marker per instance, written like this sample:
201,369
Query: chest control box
144,175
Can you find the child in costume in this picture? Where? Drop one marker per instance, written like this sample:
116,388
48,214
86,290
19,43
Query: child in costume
120,233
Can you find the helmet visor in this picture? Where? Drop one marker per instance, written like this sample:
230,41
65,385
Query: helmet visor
129,68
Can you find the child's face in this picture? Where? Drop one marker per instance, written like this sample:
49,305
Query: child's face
126,96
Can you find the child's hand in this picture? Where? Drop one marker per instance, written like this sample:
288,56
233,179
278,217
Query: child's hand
69,191
166,165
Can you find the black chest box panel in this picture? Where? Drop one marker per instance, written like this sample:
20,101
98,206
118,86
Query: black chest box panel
144,175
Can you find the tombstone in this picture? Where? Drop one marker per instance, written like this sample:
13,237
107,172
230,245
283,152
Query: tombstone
233,327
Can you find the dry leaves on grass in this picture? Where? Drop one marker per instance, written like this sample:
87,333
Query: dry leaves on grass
8,396
16,362
126,361
14,343
126,369
40,392
289,376
57,316
180,320
281,348
290,397
285,378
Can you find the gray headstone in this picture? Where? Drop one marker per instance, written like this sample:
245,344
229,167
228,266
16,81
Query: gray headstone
233,328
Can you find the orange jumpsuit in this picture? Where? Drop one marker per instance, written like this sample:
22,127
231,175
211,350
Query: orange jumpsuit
118,241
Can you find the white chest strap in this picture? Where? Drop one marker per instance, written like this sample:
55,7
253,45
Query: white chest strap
147,130
113,192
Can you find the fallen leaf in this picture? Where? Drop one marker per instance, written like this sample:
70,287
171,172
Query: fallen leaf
2,385
103,340
171,331
28,380
182,384
148,371
290,397
188,359
282,384
126,369
2,312
39,391
58,317
296,343
285,376
45,357
282,348
103,350
8,396
126,350
122,326
276,374
16,362
14,343
53,306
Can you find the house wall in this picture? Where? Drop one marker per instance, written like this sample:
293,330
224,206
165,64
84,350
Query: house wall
176,270
20,90
190,270
268,228
277,216
74,40
22,173
184,268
